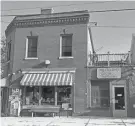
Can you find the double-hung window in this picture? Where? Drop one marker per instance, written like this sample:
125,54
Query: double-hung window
66,45
31,47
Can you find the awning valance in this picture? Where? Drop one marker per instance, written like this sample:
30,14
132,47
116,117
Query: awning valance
47,79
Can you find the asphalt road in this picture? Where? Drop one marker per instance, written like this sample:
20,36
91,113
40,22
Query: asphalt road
64,121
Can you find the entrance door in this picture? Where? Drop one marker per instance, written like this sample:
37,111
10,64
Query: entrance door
119,101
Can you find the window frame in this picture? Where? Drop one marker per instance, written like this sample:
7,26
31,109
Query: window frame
9,51
26,51
65,57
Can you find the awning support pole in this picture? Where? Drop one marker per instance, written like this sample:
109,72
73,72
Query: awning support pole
40,92
55,89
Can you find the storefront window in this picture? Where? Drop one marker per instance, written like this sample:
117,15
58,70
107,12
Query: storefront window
32,95
100,97
48,96
45,95
64,95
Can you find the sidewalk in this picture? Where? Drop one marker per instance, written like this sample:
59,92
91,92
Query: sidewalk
64,121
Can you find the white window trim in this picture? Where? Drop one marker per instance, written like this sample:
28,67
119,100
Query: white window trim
63,57
26,51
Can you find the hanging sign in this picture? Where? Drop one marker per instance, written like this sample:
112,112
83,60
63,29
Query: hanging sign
109,73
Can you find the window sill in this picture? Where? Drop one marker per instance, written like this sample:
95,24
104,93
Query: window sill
31,58
66,57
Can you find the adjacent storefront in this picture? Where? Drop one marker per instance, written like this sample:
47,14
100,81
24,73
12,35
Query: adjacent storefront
112,91
108,92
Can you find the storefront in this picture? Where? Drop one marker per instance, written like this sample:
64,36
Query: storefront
112,90
108,96
47,88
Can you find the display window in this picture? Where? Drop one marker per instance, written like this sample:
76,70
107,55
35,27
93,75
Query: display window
100,95
32,95
64,95
47,96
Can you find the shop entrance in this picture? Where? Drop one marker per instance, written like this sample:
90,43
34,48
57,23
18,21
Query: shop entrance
119,101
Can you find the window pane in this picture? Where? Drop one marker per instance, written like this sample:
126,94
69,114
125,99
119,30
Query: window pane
99,96
32,47
32,95
34,42
9,50
66,54
32,54
119,98
66,40
66,49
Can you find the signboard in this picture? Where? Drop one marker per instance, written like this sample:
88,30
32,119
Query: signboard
65,106
15,91
14,99
3,82
108,73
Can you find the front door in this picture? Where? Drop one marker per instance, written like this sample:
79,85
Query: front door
119,101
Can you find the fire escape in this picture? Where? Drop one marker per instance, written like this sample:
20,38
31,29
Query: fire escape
108,59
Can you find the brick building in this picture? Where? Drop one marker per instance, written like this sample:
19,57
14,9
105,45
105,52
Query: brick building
60,39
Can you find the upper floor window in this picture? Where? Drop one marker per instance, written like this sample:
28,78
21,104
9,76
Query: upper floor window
9,51
66,45
31,47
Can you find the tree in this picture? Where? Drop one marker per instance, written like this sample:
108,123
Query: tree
3,55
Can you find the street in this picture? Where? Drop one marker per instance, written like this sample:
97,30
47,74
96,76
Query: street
66,121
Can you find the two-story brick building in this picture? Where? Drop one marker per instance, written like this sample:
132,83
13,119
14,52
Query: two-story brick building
60,39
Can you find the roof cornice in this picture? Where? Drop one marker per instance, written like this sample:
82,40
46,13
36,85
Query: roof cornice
40,22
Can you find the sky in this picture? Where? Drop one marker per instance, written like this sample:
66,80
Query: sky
115,40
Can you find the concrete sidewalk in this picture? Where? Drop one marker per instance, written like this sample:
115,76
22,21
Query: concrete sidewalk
64,121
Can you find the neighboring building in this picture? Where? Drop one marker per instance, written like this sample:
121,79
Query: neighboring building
111,86
61,38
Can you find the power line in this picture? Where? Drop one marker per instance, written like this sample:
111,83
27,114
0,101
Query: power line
59,5
114,26
113,10
99,11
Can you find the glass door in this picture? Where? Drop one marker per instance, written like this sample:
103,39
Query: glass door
119,101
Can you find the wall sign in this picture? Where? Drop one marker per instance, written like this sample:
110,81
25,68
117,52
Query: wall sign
110,73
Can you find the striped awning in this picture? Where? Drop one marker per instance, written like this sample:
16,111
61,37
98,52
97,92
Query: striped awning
47,79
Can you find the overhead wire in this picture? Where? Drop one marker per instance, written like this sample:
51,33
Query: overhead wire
118,26
60,5
96,11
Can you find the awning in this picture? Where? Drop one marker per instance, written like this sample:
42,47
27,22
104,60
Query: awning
47,79
16,83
